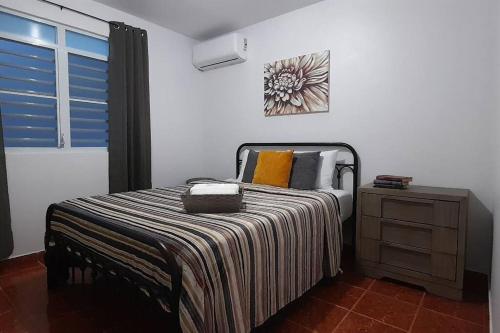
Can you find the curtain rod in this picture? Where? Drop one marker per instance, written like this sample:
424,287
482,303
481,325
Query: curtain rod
77,11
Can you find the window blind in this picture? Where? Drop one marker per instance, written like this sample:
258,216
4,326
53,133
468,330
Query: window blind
88,90
28,95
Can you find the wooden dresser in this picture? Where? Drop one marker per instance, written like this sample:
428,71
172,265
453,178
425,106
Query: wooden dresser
415,235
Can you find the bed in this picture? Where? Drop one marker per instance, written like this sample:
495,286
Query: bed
214,272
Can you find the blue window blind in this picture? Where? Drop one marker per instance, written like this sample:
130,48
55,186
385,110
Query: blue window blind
27,69
88,78
89,124
88,90
28,121
87,43
24,27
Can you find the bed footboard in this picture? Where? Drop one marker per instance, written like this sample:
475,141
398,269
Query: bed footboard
63,254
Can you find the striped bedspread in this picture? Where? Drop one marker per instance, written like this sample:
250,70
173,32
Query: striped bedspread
237,269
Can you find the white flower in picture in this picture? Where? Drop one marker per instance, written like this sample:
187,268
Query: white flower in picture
297,85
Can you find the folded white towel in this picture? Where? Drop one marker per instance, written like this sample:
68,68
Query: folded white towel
204,189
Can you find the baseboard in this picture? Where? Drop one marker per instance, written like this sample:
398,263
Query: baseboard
24,257
490,319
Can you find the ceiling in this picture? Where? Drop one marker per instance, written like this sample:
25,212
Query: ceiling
203,19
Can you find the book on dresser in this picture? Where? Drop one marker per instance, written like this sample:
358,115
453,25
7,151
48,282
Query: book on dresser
417,236
394,178
390,184
392,181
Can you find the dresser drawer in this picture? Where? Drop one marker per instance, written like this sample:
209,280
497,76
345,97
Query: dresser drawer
437,265
406,234
405,258
423,236
440,213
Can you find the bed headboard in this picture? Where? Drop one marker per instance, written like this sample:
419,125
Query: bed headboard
347,160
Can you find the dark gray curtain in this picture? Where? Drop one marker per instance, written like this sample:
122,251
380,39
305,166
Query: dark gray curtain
129,122
6,241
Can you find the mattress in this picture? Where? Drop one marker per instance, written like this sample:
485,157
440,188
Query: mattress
345,201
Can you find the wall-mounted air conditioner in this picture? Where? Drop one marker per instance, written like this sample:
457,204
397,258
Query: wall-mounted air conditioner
219,52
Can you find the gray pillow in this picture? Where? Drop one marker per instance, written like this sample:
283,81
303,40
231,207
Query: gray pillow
250,166
304,171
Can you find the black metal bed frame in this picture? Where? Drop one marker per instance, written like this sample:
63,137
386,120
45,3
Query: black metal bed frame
339,167
63,254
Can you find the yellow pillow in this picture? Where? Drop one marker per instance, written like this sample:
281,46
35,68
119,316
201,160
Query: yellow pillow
273,168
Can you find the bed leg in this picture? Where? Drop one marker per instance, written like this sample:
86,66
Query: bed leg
93,275
177,323
57,263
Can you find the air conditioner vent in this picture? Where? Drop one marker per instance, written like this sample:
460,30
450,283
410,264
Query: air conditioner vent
219,52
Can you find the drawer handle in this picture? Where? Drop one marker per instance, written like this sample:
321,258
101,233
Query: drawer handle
405,247
408,224
410,200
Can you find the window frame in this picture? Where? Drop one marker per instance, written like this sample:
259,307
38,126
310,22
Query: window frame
62,79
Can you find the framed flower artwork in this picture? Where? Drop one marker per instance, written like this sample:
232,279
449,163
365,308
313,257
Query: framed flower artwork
297,85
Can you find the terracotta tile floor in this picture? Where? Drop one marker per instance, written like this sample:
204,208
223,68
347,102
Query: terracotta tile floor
349,303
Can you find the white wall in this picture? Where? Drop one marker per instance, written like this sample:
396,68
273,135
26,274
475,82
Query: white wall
411,90
37,179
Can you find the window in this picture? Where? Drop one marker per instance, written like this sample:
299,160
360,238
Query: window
88,94
53,91
24,27
88,91
86,43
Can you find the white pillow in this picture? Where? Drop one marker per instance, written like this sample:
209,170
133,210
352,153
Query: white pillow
243,164
326,168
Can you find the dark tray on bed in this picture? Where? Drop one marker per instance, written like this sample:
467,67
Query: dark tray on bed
212,203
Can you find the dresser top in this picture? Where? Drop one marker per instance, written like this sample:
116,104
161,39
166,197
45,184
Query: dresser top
417,191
